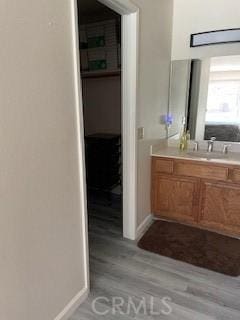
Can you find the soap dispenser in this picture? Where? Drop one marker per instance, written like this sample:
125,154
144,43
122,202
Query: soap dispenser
183,140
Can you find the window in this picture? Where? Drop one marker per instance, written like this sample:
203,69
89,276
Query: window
223,105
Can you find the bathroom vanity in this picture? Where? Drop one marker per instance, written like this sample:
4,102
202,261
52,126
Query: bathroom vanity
201,186
201,191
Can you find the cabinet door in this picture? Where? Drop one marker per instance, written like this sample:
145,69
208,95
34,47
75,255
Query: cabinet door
220,206
175,198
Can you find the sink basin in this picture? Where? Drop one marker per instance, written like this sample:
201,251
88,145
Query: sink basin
207,155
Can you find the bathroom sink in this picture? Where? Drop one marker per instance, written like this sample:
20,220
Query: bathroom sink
207,155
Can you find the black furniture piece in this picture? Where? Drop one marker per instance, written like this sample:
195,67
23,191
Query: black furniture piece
103,161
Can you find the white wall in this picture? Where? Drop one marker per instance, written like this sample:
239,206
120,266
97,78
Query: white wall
199,16
154,67
41,240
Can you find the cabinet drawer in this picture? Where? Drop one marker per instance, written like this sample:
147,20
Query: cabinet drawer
162,165
201,171
234,175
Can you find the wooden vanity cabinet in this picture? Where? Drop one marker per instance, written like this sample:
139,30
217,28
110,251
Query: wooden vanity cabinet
197,193
220,206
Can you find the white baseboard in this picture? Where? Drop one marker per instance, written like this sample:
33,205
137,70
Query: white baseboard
144,225
72,306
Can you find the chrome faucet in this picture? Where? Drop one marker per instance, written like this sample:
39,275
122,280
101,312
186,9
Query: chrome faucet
211,144
226,148
195,146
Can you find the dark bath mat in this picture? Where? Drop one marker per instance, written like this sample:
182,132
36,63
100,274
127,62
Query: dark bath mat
201,248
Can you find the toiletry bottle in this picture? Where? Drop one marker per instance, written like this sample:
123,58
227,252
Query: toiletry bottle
183,140
188,138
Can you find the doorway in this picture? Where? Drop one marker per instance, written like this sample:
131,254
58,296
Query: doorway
129,19
100,62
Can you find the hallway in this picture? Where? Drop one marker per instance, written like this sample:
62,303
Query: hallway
120,269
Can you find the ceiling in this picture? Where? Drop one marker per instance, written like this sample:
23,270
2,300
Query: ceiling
88,6
92,7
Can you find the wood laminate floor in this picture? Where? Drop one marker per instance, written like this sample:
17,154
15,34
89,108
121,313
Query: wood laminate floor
120,269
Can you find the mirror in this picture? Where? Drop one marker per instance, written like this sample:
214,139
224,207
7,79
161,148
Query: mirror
204,97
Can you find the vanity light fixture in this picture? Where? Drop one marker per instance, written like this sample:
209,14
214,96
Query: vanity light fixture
215,37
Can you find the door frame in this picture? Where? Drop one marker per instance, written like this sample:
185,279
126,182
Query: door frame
130,33
130,26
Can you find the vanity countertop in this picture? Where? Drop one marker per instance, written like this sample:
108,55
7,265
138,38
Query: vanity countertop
232,158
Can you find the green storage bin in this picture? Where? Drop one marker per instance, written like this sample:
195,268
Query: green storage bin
96,42
97,65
